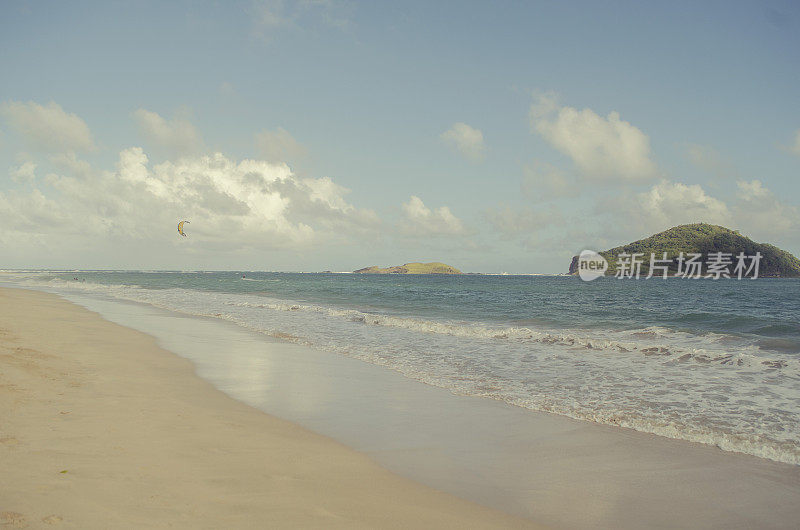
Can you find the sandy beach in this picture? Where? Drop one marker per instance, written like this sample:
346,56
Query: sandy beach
555,470
117,415
101,428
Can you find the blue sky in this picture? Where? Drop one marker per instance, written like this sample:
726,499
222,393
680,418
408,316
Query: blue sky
492,136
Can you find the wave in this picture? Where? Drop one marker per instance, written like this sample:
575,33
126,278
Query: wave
624,341
713,388
653,341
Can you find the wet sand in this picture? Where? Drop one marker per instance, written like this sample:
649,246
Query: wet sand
540,467
102,428
551,469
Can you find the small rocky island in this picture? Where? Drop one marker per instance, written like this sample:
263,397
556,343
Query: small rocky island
704,239
411,268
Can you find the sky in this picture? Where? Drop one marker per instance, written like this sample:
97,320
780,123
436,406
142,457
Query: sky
318,135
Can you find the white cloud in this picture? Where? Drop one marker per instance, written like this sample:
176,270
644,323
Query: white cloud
754,211
418,219
29,213
673,203
326,191
272,15
251,204
71,163
752,190
25,172
765,217
795,147
603,148
466,140
175,136
542,181
323,201
279,146
49,127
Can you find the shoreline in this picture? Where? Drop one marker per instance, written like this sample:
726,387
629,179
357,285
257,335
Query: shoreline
136,439
596,401
552,469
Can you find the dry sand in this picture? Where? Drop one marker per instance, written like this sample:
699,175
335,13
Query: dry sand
101,428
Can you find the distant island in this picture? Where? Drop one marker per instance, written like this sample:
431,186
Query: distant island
705,239
411,268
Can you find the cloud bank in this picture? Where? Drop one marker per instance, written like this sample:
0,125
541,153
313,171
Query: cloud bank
278,145
231,204
465,140
419,220
49,127
795,147
176,136
601,147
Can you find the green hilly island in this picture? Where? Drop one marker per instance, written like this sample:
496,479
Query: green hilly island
703,239
411,268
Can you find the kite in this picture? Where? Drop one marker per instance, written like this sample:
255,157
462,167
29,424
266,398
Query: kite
180,228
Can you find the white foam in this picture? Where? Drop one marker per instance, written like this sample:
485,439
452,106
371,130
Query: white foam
714,389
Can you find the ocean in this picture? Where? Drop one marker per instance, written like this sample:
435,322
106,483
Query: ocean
715,362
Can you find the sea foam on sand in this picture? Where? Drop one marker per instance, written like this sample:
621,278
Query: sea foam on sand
103,429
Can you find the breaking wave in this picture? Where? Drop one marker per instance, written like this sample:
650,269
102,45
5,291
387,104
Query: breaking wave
720,389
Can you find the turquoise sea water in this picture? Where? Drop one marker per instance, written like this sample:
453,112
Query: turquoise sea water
716,362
